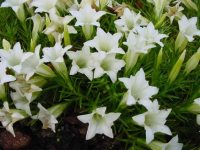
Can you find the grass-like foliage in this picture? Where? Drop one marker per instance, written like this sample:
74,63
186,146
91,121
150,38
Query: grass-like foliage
145,72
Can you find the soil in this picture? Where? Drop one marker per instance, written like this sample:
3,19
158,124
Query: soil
70,135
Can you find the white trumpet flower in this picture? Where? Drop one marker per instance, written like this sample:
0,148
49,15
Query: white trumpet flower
174,12
9,116
99,122
47,118
188,27
106,42
150,34
31,63
107,64
82,62
129,20
153,120
21,102
87,17
25,88
138,88
55,54
12,58
43,5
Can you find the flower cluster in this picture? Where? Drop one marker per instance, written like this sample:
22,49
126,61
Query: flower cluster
81,48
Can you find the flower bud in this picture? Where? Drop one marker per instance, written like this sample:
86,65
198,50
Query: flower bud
58,109
176,68
190,4
6,44
181,42
159,58
192,62
45,71
195,106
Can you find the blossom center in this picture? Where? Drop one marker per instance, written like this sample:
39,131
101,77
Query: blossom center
81,62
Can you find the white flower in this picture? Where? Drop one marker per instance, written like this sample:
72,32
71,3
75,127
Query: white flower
153,120
55,54
48,119
174,12
14,4
8,117
129,20
107,64
138,88
30,64
25,88
21,102
137,44
43,5
171,145
99,122
58,23
13,57
87,16
82,62
4,78
106,42
150,34
188,27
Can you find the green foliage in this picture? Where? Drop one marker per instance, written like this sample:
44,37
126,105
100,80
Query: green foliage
88,95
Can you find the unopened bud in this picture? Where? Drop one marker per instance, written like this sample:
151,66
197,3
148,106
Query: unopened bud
176,68
192,62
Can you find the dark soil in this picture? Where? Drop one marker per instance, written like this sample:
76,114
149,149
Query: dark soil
70,135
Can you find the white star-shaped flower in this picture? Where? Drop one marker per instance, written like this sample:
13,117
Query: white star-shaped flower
153,120
174,12
107,64
21,102
150,34
129,20
55,54
43,5
31,63
82,62
12,58
47,118
25,88
137,44
99,122
106,42
87,16
8,117
188,27
138,88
